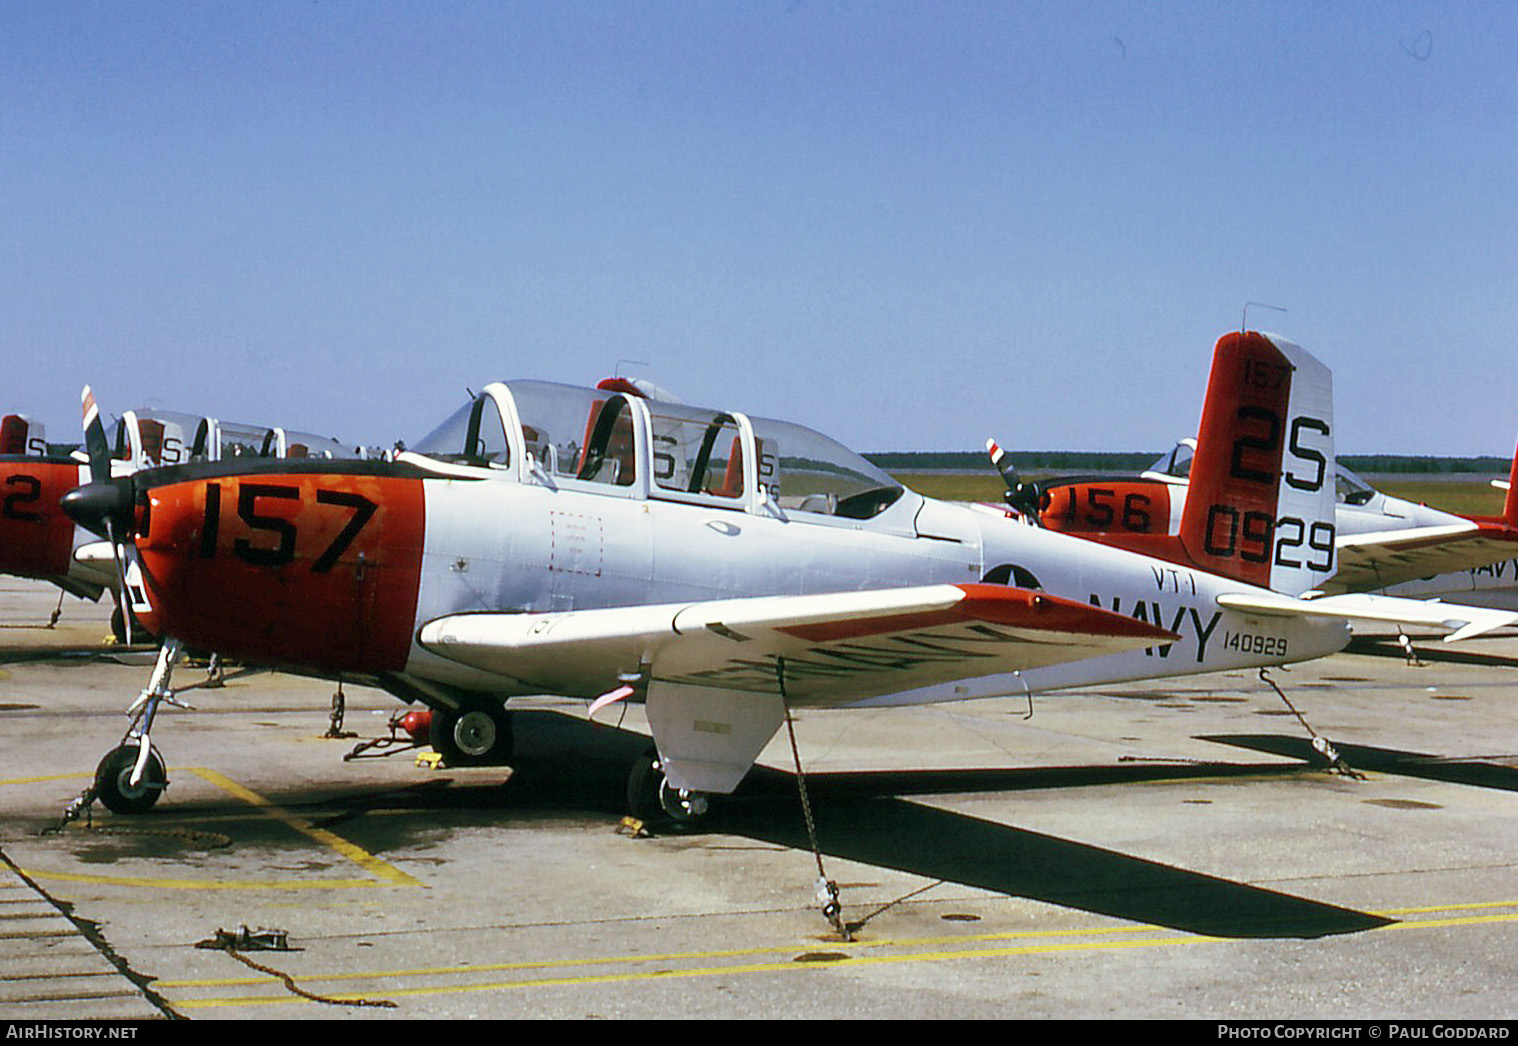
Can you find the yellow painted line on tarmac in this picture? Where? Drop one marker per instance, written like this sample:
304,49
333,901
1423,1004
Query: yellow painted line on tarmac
1469,920
1473,906
357,854
789,966
734,953
726,953
148,882
728,969
383,871
45,778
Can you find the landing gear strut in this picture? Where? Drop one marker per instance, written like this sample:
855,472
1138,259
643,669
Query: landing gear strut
132,776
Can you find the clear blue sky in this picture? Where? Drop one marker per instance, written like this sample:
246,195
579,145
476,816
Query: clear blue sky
911,225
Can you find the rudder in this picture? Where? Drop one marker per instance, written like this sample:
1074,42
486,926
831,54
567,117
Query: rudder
1260,507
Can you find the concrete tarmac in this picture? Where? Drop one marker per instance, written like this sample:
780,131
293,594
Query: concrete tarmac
1154,850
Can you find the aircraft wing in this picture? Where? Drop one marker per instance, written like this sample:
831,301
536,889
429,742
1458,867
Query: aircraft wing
836,648
1463,621
1381,558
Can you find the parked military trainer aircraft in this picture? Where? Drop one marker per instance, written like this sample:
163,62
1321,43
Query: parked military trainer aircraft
1380,542
1402,548
720,568
38,540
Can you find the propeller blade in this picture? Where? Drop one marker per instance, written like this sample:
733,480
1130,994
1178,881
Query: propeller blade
104,505
103,501
94,438
1024,497
118,554
1003,464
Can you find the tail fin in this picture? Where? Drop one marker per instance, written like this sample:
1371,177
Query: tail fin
1261,502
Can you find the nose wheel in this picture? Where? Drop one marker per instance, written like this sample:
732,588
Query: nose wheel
113,780
652,798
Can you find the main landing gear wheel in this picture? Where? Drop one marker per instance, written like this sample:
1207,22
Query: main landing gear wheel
651,798
472,736
113,779
118,629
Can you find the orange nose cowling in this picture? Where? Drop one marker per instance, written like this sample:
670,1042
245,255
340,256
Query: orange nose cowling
311,571
1108,506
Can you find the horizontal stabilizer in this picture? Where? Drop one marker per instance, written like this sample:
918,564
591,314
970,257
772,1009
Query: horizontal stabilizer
1389,557
1463,621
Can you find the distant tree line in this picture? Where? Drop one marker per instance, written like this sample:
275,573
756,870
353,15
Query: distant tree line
1426,463
1100,461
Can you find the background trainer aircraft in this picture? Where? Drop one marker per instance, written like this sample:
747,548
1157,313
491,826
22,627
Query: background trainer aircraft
1403,548
721,569
1380,543
38,540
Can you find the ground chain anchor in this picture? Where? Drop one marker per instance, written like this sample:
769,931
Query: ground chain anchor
81,805
1320,744
243,939
826,889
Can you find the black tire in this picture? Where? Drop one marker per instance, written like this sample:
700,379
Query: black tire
477,735
653,800
140,635
114,773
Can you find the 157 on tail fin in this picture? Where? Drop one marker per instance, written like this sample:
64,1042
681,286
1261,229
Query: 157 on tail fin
1261,502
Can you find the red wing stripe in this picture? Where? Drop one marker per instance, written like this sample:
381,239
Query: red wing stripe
994,604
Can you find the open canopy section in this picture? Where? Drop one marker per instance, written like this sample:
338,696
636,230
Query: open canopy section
1350,489
149,438
1177,464
472,435
22,435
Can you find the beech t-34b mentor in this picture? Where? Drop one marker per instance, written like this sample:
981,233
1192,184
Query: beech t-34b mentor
1373,541
38,540
1400,547
548,539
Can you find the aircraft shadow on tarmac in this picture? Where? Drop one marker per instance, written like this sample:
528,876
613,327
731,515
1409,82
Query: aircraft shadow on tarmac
14,654
1371,646
1482,771
564,765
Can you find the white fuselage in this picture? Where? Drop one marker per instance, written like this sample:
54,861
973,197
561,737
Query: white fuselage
503,545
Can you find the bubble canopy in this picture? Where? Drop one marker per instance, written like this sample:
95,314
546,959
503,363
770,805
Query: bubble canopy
625,443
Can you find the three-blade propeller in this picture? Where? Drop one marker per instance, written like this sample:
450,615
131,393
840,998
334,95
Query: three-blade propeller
104,506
